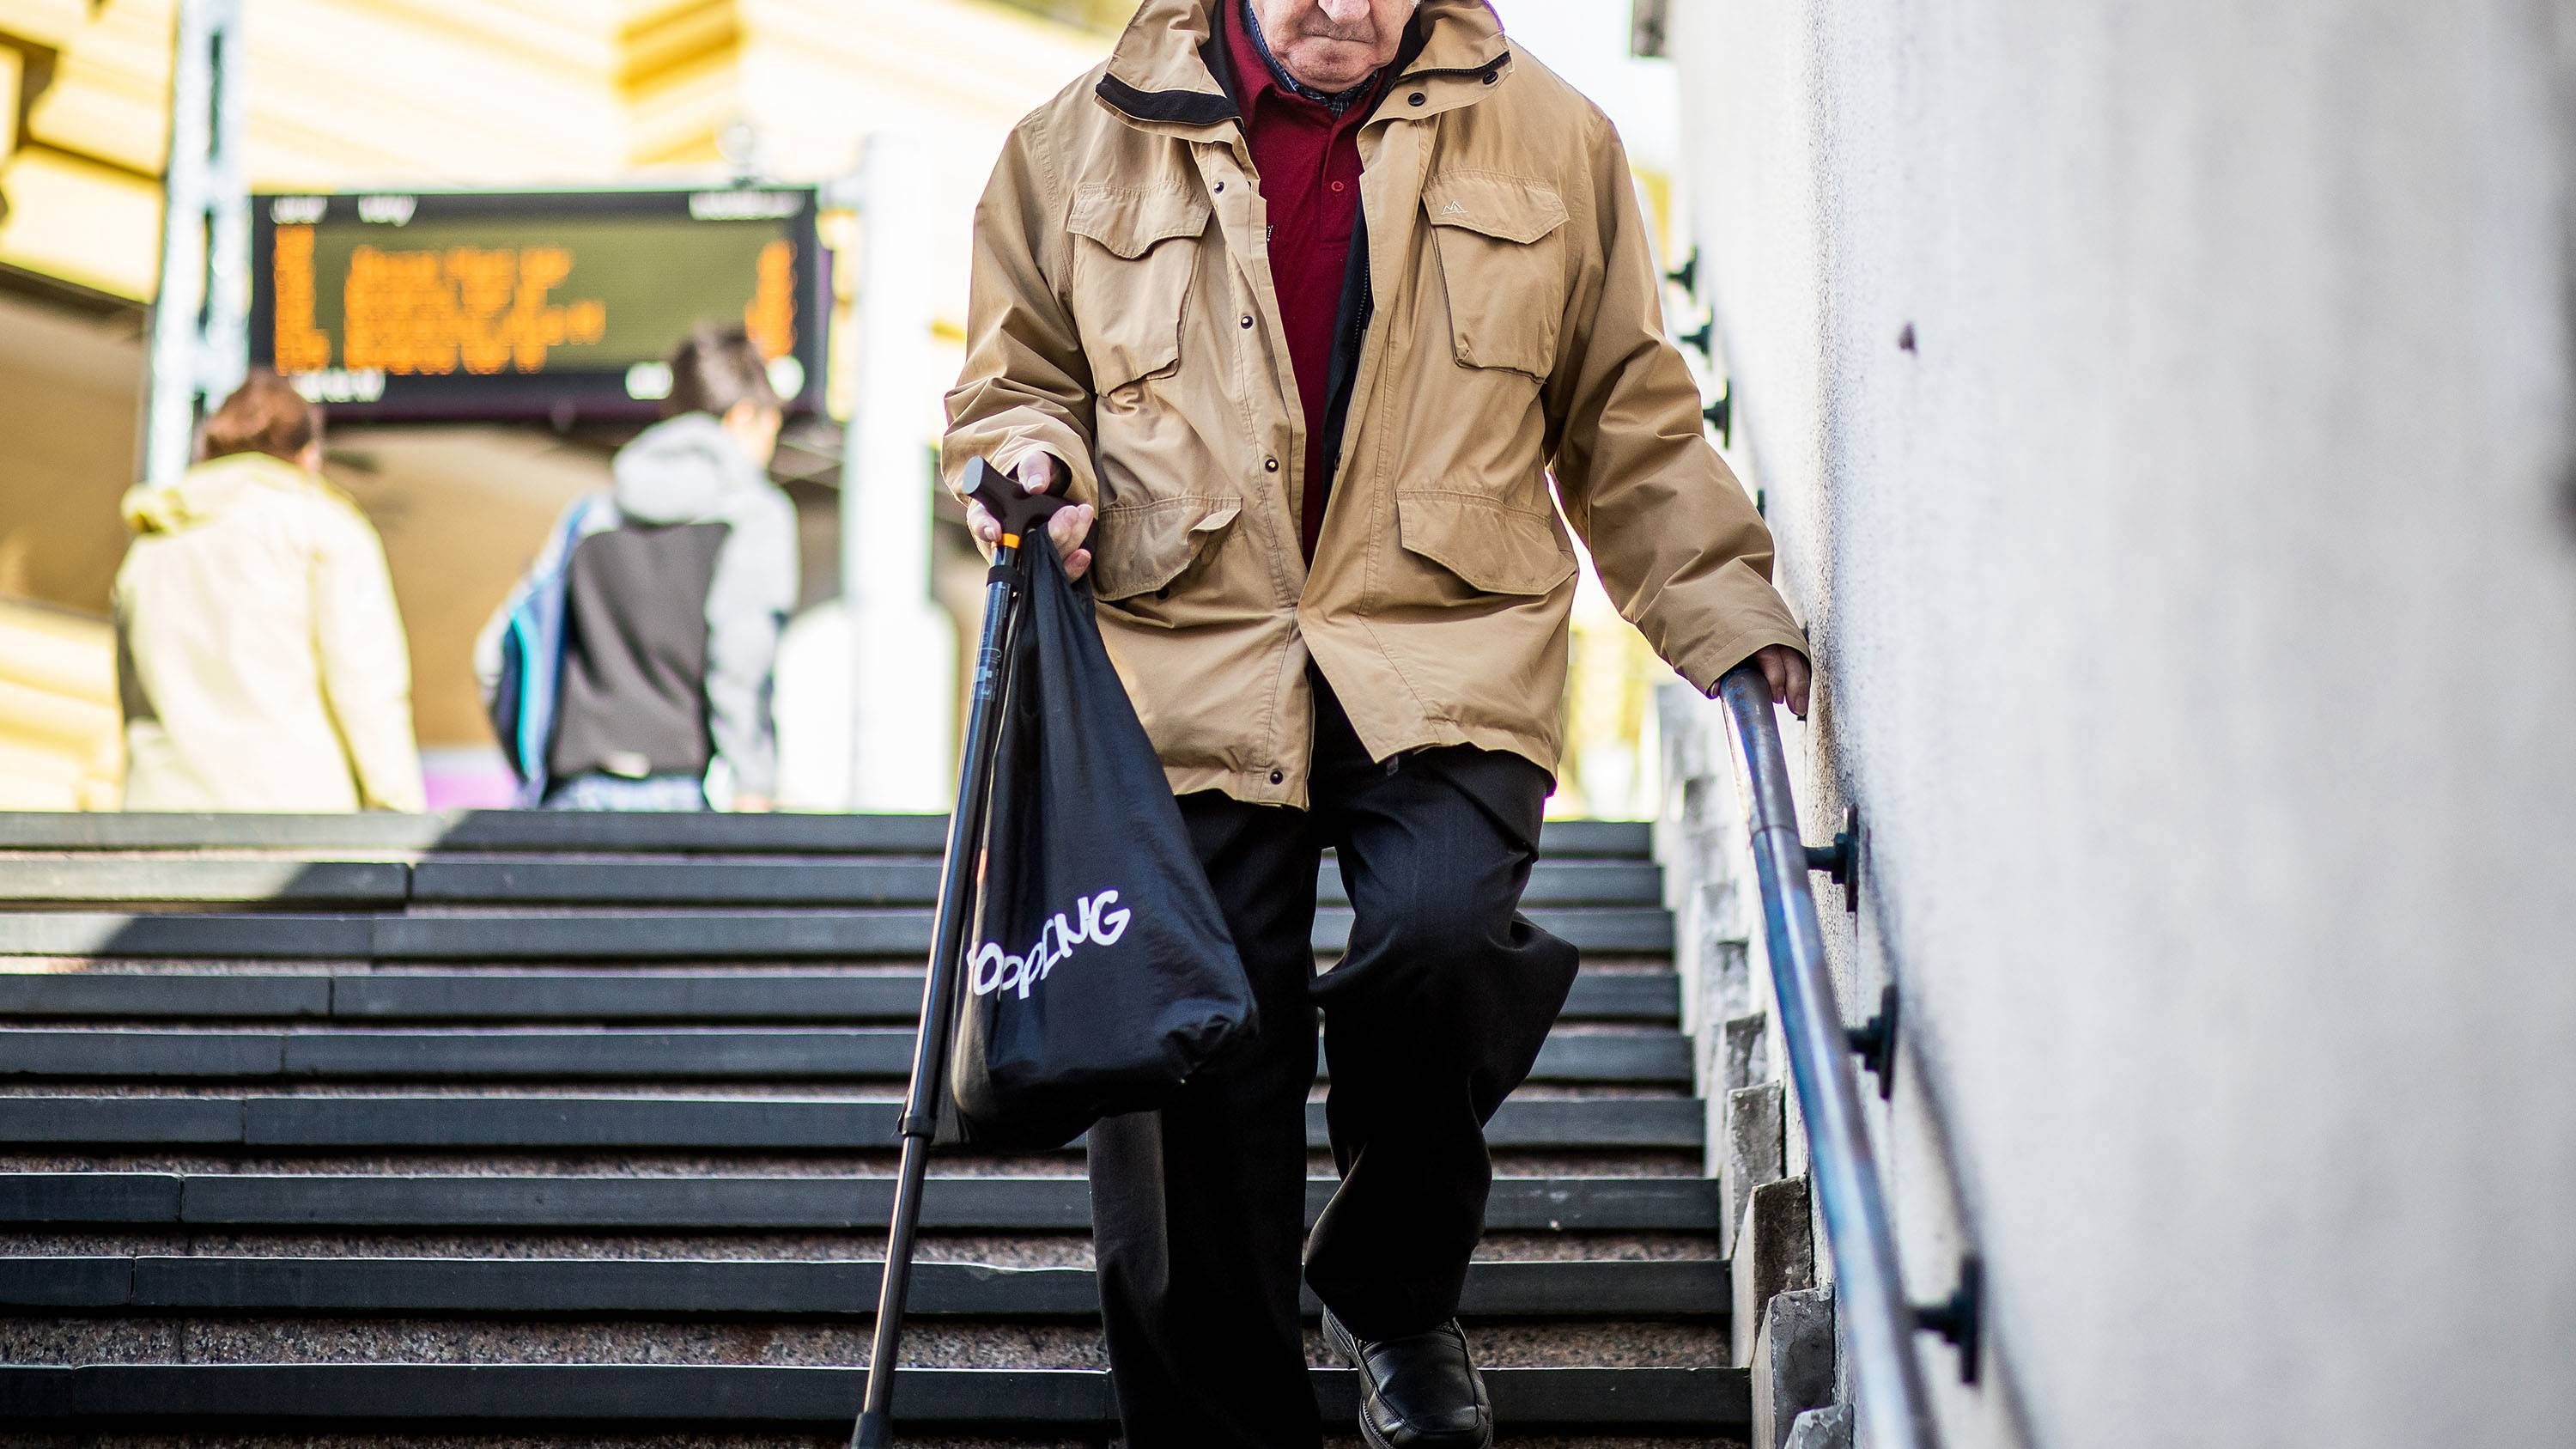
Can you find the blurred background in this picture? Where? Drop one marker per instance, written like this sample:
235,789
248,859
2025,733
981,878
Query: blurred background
386,128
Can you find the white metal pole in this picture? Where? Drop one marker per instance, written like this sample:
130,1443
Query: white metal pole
199,334
223,357
903,681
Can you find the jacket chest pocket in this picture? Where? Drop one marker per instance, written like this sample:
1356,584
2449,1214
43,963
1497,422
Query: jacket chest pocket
1502,265
1131,279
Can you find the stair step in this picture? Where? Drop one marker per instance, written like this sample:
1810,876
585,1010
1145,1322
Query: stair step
730,1124
554,1204
607,832
648,882
841,883
605,996
658,936
280,882
613,1288
720,1397
866,1053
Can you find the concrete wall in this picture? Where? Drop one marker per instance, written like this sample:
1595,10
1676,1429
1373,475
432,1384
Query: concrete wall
2169,416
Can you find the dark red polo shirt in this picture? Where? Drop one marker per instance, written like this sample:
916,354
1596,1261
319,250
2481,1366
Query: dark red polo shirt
1308,158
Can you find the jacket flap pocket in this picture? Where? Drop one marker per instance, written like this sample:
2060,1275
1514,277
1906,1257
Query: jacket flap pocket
1506,208
1499,549
1138,548
1129,222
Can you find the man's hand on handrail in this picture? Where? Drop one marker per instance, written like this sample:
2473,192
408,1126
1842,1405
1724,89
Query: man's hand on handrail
1069,528
1785,670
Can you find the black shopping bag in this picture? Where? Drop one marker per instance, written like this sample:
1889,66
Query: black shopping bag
1098,973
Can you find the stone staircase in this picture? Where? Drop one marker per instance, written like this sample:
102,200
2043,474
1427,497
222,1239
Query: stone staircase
553,1129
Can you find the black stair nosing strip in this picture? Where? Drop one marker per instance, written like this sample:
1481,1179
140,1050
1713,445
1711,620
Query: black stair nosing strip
858,882
1589,928
599,994
37,1393
738,1124
142,995
612,995
1628,996
131,1198
240,935
1030,1204
478,830
739,1288
740,935
695,936
91,879
67,1282
148,830
714,833
704,1054
1629,839
1707,1400
854,1053
673,1124
604,832
1579,881
156,1121
115,1052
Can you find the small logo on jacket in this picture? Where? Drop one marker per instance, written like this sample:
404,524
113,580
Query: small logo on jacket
990,970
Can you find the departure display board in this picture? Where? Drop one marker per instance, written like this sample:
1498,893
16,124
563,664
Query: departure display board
518,304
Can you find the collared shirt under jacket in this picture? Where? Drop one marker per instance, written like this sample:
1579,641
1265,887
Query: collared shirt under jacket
1124,318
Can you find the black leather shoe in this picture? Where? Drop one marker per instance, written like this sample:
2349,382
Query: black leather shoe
1420,1391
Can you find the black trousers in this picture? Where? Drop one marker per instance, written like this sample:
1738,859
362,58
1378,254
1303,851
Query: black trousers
1436,1011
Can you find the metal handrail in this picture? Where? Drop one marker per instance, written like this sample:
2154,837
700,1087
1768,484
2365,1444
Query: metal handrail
1879,1321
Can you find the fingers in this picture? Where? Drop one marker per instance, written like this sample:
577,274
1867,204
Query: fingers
1774,674
981,524
1038,473
1786,671
1069,528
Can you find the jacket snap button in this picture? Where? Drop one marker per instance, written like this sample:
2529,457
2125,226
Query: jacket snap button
1247,319
1276,776
1491,76
1221,185
1269,465
1414,99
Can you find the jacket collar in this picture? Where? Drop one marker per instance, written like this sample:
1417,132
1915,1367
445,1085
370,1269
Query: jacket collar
1159,75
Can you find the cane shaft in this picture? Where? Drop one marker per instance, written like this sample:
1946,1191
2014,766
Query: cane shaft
951,924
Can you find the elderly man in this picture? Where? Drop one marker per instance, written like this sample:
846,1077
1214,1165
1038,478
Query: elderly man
1304,302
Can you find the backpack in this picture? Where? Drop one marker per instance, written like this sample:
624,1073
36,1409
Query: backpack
523,697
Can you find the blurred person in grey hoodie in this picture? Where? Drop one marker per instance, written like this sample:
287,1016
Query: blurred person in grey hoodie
676,586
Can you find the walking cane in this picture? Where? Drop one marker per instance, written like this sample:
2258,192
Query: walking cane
1019,513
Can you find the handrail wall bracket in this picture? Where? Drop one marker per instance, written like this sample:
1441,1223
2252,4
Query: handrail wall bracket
1874,1042
1840,861
1960,1318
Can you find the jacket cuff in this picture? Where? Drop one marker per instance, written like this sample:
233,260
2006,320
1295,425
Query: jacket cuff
1706,665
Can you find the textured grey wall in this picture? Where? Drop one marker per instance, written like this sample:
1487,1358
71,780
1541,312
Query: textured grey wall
2197,608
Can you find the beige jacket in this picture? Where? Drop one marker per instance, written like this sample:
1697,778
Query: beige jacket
1123,318
259,653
